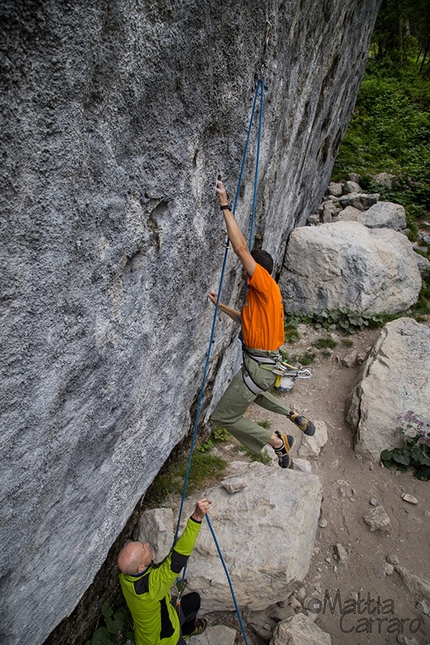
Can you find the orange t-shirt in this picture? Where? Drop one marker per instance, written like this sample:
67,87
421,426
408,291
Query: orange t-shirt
263,312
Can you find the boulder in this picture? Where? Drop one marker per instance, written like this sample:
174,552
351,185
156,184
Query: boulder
260,576
385,215
384,179
362,201
354,176
299,630
351,187
393,380
345,264
350,214
335,189
422,263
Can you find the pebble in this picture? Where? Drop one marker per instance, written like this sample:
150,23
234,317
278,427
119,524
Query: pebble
423,607
373,502
388,569
377,519
392,559
409,498
300,594
341,553
322,524
294,603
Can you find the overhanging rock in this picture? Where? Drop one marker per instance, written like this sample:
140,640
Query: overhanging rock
117,118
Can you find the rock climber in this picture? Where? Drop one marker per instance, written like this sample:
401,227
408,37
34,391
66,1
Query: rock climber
262,320
146,588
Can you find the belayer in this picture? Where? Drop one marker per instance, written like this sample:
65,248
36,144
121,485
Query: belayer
146,588
262,320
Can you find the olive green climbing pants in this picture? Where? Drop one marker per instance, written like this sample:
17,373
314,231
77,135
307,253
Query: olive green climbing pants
238,397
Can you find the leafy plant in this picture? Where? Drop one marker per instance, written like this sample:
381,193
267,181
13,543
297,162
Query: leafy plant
264,424
220,434
118,627
415,451
291,335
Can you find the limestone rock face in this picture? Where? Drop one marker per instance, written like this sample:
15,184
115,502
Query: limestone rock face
346,264
245,523
117,119
393,380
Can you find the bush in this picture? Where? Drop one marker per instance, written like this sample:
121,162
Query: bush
415,451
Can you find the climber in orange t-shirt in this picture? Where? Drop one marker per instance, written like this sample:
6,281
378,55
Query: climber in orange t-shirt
262,320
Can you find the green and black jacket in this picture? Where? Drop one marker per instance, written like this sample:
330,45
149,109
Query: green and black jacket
156,621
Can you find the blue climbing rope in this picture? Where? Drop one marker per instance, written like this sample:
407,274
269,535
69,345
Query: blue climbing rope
260,85
259,91
228,579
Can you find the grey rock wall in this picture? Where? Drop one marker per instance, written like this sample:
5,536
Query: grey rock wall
116,119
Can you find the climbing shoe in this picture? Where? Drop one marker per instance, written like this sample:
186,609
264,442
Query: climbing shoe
201,624
303,423
282,452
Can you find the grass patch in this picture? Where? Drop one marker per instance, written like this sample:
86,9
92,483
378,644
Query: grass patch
291,335
205,468
325,343
347,342
307,358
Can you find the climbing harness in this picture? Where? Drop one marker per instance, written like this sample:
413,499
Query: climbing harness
285,373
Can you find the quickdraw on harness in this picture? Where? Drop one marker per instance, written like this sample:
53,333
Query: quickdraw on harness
181,585
286,374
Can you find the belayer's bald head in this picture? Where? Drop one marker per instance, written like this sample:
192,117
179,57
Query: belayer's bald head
134,558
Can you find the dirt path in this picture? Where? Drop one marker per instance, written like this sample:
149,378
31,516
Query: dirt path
384,608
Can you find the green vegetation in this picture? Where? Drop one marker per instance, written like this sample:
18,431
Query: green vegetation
347,342
219,435
342,319
390,128
415,451
118,627
325,343
262,456
204,467
307,358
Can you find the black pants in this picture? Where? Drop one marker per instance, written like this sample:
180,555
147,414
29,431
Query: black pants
190,605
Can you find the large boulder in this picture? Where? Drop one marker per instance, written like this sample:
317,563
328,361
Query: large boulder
368,271
266,533
393,381
117,118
